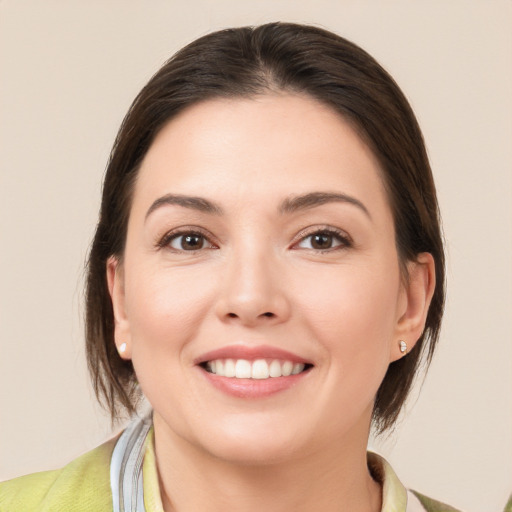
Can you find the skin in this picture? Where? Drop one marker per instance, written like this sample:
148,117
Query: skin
257,279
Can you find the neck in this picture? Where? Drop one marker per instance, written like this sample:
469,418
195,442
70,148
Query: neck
330,480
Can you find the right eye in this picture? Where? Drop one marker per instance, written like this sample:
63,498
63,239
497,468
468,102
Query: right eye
188,241
185,240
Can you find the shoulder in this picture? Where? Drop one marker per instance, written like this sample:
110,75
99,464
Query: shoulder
84,484
395,496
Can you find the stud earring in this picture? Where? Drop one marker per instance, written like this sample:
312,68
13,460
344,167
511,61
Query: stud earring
403,347
122,348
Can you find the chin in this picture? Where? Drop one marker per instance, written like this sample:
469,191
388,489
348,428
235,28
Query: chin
244,444
253,453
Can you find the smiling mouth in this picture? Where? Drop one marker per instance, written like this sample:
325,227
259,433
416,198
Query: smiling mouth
259,369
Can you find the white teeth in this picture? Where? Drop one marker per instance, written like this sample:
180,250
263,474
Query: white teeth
287,368
229,368
275,369
297,368
242,369
258,369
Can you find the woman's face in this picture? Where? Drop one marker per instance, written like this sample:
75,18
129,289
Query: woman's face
260,242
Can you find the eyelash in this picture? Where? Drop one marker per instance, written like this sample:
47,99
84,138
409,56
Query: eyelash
344,240
166,240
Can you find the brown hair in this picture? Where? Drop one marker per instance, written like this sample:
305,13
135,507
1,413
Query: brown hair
243,62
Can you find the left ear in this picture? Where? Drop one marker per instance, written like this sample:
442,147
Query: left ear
416,296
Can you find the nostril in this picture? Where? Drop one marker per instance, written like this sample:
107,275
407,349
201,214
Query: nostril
267,314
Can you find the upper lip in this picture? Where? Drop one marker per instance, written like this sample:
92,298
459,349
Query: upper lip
250,353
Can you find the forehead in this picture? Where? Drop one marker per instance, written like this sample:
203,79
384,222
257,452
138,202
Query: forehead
255,147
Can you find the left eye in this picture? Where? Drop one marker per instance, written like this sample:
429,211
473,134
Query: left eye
323,240
188,242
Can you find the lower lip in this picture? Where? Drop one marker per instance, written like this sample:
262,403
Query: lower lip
253,388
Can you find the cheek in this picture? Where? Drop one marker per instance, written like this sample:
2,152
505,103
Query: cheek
352,311
165,307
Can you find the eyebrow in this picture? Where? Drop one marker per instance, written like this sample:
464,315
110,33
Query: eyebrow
194,203
314,199
289,205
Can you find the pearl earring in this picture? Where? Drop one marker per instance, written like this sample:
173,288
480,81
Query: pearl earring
122,348
403,347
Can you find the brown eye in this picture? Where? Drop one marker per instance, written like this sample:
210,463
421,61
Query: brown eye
321,241
188,242
324,240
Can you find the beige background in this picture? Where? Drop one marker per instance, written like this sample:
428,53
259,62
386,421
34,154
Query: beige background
69,70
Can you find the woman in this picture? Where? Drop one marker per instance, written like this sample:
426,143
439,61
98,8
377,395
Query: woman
268,271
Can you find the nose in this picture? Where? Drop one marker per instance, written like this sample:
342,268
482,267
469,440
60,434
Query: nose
253,291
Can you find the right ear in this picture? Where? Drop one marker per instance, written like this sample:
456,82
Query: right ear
115,281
